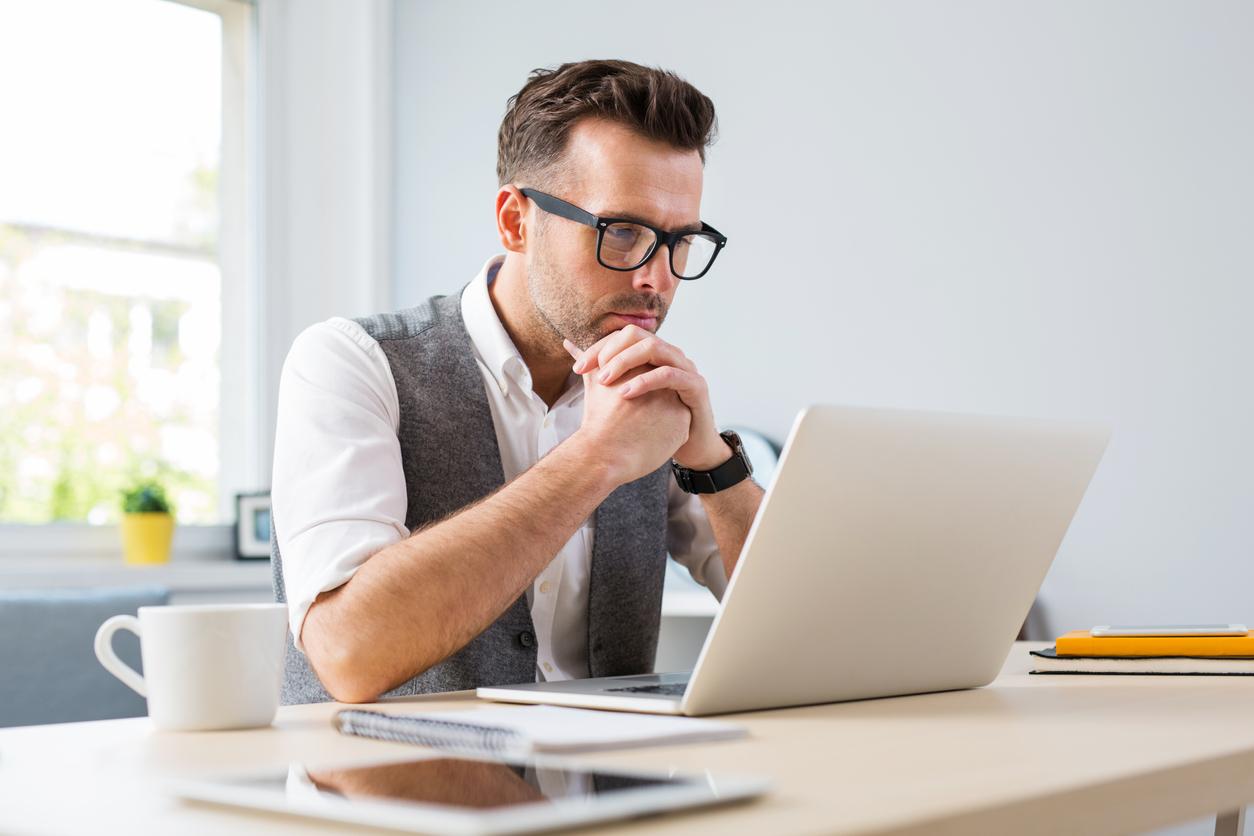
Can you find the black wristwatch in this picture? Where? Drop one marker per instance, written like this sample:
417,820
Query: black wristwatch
731,472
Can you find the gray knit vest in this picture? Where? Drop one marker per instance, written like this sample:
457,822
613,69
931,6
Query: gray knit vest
451,459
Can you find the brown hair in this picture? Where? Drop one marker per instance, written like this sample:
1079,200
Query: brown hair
655,103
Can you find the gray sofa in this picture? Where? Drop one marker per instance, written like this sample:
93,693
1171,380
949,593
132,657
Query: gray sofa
48,667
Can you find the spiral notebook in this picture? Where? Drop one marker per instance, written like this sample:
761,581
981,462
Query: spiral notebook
518,731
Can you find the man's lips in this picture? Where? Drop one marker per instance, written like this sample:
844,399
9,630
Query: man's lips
645,320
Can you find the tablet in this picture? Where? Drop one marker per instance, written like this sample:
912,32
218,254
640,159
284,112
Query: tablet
440,793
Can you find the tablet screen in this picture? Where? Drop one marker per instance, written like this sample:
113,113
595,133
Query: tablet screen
460,783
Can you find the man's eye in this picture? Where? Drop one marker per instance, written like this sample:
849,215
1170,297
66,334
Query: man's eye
622,235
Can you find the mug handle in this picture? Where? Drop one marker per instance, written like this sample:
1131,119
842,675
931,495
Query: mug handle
104,652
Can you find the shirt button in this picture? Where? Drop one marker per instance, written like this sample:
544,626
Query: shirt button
548,668
548,420
526,638
546,587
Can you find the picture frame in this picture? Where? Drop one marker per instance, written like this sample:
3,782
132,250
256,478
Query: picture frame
252,526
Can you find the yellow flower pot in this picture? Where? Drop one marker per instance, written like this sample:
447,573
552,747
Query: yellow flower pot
146,537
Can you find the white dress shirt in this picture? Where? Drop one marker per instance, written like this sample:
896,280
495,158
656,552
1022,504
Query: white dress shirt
339,492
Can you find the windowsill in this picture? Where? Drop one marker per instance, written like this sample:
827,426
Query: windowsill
178,575
195,576
75,556
79,541
688,603
78,556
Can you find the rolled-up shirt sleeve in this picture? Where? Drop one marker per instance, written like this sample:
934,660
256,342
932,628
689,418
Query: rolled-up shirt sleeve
338,486
690,540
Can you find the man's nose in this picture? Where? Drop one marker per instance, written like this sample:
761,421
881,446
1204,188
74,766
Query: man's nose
656,275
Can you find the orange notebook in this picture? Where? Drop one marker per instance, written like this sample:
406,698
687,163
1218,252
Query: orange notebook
1082,643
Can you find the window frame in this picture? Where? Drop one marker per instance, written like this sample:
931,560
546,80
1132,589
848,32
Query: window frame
239,416
317,204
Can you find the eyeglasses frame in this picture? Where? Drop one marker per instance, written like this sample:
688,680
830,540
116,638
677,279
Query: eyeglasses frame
571,212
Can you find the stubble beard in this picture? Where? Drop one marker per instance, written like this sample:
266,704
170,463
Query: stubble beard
562,313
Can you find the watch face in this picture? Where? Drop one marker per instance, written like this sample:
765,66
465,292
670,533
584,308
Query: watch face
762,453
738,447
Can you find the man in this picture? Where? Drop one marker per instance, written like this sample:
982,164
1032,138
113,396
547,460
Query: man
479,490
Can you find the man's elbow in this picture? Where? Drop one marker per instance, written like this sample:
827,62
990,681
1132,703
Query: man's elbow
350,689
352,665
341,672
344,670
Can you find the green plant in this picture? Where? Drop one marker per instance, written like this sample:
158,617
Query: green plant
145,498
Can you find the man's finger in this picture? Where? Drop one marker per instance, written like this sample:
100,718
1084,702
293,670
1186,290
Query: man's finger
623,339
663,377
583,365
605,348
572,349
651,352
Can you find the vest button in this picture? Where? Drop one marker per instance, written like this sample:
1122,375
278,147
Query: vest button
526,638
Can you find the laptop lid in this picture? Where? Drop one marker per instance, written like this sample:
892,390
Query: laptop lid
896,552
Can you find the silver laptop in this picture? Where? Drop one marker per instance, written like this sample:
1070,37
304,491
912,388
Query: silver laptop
895,552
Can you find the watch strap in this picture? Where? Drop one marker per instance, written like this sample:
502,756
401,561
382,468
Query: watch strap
728,474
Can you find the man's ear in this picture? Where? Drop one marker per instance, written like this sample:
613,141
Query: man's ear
512,209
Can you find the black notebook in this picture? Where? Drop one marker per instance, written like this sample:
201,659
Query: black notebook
1048,661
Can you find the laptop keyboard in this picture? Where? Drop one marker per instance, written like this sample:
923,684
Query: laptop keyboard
673,689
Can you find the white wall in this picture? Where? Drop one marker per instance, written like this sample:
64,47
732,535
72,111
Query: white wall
325,194
1019,208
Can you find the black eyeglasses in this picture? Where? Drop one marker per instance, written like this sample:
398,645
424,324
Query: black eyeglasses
625,245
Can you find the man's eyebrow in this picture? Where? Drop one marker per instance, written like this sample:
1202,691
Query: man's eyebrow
695,226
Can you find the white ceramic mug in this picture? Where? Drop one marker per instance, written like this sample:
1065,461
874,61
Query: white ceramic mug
209,666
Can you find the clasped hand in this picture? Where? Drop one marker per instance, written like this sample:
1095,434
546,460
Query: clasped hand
646,363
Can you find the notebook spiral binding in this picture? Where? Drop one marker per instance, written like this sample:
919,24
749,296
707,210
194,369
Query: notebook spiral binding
438,734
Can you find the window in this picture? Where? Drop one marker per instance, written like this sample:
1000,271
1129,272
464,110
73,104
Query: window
123,238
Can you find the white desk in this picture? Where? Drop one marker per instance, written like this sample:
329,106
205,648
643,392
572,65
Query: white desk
1028,754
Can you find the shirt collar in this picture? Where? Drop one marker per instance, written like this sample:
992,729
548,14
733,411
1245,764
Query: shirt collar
488,336
492,343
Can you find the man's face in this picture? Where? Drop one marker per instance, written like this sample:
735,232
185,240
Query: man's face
612,172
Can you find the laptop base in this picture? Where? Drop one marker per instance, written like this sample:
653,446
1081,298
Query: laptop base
648,693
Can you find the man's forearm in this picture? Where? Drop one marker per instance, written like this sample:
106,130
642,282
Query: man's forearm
414,603
731,514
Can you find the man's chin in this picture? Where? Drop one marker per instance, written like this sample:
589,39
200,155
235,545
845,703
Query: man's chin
604,326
